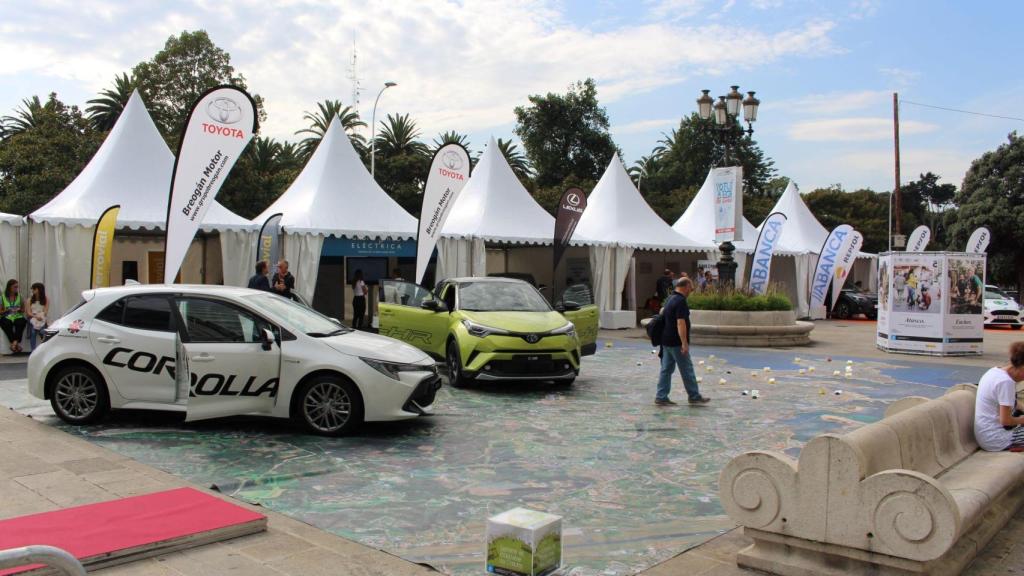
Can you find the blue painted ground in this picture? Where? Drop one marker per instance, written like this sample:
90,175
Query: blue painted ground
636,483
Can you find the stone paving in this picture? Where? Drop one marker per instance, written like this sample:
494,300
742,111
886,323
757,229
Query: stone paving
55,469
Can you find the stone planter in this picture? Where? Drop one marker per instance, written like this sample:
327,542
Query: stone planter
755,329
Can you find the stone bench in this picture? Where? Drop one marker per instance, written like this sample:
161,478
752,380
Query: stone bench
909,494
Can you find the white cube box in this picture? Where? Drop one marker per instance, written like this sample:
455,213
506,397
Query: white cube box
523,542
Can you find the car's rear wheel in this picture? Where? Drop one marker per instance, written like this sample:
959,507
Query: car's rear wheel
79,395
329,406
453,361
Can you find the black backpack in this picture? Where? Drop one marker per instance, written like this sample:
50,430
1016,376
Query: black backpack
655,328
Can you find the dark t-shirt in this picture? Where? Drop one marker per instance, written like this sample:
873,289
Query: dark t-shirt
675,310
289,284
663,286
259,282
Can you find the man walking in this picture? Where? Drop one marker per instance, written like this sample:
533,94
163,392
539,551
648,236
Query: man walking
675,347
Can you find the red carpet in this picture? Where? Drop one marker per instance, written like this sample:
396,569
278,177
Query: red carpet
137,526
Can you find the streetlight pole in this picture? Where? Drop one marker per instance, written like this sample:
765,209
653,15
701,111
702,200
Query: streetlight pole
726,113
373,127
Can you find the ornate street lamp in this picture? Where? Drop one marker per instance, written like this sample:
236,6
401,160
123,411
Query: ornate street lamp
373,129
726,125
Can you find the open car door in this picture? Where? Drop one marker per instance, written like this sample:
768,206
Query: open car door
577,304
232,356
412,314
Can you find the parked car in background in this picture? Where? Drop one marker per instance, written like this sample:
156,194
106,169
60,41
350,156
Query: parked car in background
491,329
1000,309
853,302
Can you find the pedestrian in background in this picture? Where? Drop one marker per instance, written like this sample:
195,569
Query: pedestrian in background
283,282
358,300
12,315
675,347
259,281
664,284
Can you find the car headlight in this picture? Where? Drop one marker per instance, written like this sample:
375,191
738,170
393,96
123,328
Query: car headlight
569,330
393,369
479,330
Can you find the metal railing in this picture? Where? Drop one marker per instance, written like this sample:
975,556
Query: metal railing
48,555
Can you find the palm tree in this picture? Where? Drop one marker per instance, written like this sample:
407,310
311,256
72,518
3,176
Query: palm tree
320,119
104,111
451,137
516,160
27,116
398,135
645,166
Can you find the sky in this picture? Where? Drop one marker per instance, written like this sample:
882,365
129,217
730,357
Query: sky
825,71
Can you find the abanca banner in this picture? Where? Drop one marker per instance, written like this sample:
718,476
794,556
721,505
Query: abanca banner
769,236
835,246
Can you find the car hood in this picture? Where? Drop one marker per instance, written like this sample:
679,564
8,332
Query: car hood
1000,304
517,321
366,345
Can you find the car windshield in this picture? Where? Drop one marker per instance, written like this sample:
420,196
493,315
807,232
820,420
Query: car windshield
297,316
501,297
991,294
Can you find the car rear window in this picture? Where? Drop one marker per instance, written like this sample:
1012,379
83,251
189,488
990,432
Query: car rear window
148,313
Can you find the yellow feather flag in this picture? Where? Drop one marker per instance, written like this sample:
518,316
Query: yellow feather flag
102,244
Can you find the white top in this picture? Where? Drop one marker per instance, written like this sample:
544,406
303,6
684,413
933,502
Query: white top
698,222
617,214
995,389
335,195
132,169
360,288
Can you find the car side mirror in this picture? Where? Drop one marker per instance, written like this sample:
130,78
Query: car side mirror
568,307
335,320
432,305
268,339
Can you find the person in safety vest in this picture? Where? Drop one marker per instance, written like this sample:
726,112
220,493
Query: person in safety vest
12,315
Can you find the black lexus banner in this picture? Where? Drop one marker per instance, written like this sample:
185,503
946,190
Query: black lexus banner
570,209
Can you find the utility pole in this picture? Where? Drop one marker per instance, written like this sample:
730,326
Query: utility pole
896,139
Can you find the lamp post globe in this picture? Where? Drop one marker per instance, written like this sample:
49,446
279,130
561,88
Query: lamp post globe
373,128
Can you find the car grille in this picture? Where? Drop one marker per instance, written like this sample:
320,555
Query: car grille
423,395
1010,313
527,365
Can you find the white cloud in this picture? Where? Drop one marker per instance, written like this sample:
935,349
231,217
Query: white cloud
834,103
854,129
949,163
458,66
900,76
663,124
860,9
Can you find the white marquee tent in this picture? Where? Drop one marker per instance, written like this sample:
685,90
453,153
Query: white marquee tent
618,215
11,227
493,207
132,168
334,195
803,237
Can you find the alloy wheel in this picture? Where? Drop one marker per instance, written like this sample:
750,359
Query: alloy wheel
327,406
77,395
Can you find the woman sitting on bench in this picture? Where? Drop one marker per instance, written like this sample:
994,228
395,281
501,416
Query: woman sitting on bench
996,424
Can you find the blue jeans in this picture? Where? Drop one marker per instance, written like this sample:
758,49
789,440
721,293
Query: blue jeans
672,356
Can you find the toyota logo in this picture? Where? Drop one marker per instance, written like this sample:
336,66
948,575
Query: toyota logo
573,199
532,338
224,110
452,160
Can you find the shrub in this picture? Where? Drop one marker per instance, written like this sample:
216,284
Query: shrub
738,300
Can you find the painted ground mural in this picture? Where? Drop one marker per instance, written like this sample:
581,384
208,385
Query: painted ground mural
635,483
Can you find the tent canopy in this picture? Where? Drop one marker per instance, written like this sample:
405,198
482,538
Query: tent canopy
698,221
12,219
802,232
132,168
495,207
335,195
617,214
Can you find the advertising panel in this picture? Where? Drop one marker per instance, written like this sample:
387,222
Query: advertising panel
728,184
928,302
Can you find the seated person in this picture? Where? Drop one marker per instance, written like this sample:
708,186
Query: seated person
995,426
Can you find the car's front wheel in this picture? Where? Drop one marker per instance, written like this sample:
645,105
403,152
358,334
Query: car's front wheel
79,395
843,311
453,361
329,406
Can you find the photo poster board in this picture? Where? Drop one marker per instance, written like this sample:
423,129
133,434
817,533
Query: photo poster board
922,310
707,266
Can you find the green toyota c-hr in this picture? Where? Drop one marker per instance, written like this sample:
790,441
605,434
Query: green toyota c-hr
489,329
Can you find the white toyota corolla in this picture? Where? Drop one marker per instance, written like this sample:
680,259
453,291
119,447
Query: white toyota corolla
213,351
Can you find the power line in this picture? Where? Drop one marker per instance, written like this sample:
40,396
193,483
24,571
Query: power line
962,111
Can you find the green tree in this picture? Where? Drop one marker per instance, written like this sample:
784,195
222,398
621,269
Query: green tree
992,195
30,114
402,161
565,135
517,161
52,144
321,118
176,76
927,201
104,111
263,172
866,210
